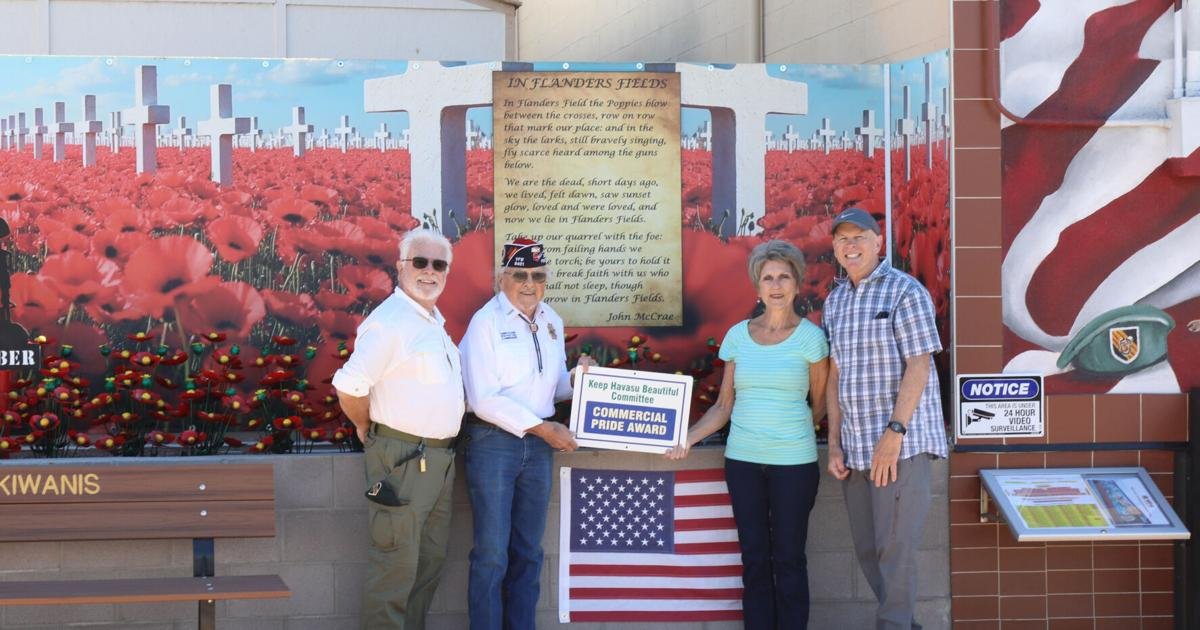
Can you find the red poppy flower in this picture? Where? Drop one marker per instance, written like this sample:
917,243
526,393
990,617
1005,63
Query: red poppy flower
365,284
66,240
286,423
319,194
283,340
338,325
330,301
214,337
114,246
113,308
44,422
232,441
263,445
9,445
35,304
164,270
297,309
110,442
175,358
159,438
339,435
144,359
292,211
79,439
120,215
236,238
191,437
230,308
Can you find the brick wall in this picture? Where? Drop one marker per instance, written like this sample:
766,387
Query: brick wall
998,583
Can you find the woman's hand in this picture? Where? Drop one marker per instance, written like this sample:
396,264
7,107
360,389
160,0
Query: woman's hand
680,451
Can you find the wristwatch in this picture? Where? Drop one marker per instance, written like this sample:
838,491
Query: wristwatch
894,425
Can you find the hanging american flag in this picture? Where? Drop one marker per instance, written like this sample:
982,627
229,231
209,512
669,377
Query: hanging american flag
1100,196
646,546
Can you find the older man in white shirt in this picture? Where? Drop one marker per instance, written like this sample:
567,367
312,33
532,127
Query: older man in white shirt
402,388
514,368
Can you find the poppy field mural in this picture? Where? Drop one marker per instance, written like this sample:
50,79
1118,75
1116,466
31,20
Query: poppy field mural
186,309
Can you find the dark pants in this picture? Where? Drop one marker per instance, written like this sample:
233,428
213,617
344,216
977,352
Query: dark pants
771,506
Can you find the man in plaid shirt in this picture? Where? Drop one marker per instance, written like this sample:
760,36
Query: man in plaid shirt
885,413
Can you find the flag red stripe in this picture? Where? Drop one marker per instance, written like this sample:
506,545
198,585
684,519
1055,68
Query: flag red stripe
699,476
711,547
656,593
696,524
1066,278
658,615
639,570
700,500
1106,73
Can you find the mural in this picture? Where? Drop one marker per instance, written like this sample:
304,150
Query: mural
195,241
1100,224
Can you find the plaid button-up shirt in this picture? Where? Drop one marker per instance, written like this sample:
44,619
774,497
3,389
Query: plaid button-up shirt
872,328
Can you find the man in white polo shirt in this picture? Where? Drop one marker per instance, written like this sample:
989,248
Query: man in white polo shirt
402,388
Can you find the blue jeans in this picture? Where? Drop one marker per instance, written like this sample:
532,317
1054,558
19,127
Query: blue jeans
771,506
508,479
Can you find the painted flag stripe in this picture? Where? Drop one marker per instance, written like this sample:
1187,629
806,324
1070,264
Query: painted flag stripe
656,593
694,524
695,476
656,570
653,604
701,500
654,615
658,581
657,559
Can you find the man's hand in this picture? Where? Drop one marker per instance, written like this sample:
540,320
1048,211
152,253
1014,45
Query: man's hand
837,463
1194,325
556,435
887,455
361,430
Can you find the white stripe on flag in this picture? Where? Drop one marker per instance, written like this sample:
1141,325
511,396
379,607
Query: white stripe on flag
701,487
607,605
703,536
659,559
631,581
707,511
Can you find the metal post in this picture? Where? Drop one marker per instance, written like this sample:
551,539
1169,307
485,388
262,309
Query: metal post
203,565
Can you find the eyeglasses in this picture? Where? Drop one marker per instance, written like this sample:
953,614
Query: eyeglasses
421,262
521,277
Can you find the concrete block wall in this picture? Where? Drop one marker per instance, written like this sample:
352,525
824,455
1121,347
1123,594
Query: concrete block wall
794,31
320,551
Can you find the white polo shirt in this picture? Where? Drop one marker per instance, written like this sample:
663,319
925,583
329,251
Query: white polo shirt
500,365
404,360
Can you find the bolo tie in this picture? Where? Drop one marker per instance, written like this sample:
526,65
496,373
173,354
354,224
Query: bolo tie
533,328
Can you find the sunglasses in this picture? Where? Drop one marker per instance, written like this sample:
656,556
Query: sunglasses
539,277
421,262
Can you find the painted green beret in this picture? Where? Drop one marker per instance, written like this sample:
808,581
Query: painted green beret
1120,341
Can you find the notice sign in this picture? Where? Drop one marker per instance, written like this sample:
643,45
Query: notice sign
630,410
588,163
999,405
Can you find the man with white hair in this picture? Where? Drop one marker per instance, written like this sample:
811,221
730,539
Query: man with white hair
402,388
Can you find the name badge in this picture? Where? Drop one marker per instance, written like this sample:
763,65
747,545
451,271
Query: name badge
508,334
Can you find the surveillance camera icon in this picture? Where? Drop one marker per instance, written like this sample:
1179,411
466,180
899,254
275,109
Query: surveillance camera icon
975,415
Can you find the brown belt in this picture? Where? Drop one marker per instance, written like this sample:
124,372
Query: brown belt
386,431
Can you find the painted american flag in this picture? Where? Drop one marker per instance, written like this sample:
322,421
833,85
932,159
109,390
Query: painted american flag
1099,195
647,546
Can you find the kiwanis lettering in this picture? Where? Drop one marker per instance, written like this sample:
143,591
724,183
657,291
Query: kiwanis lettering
74,484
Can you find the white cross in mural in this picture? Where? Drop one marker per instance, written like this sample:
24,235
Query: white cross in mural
181,132
299,130
145,116
929,115
21,131
382,136
828,133
343,132
89,126
114,136
61,128
791,139
220,130
705,136
868,132
906,127
39,130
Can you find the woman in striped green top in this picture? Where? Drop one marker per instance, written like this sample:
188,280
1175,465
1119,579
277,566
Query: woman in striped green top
773,364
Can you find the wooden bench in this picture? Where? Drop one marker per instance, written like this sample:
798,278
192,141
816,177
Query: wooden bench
129,499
